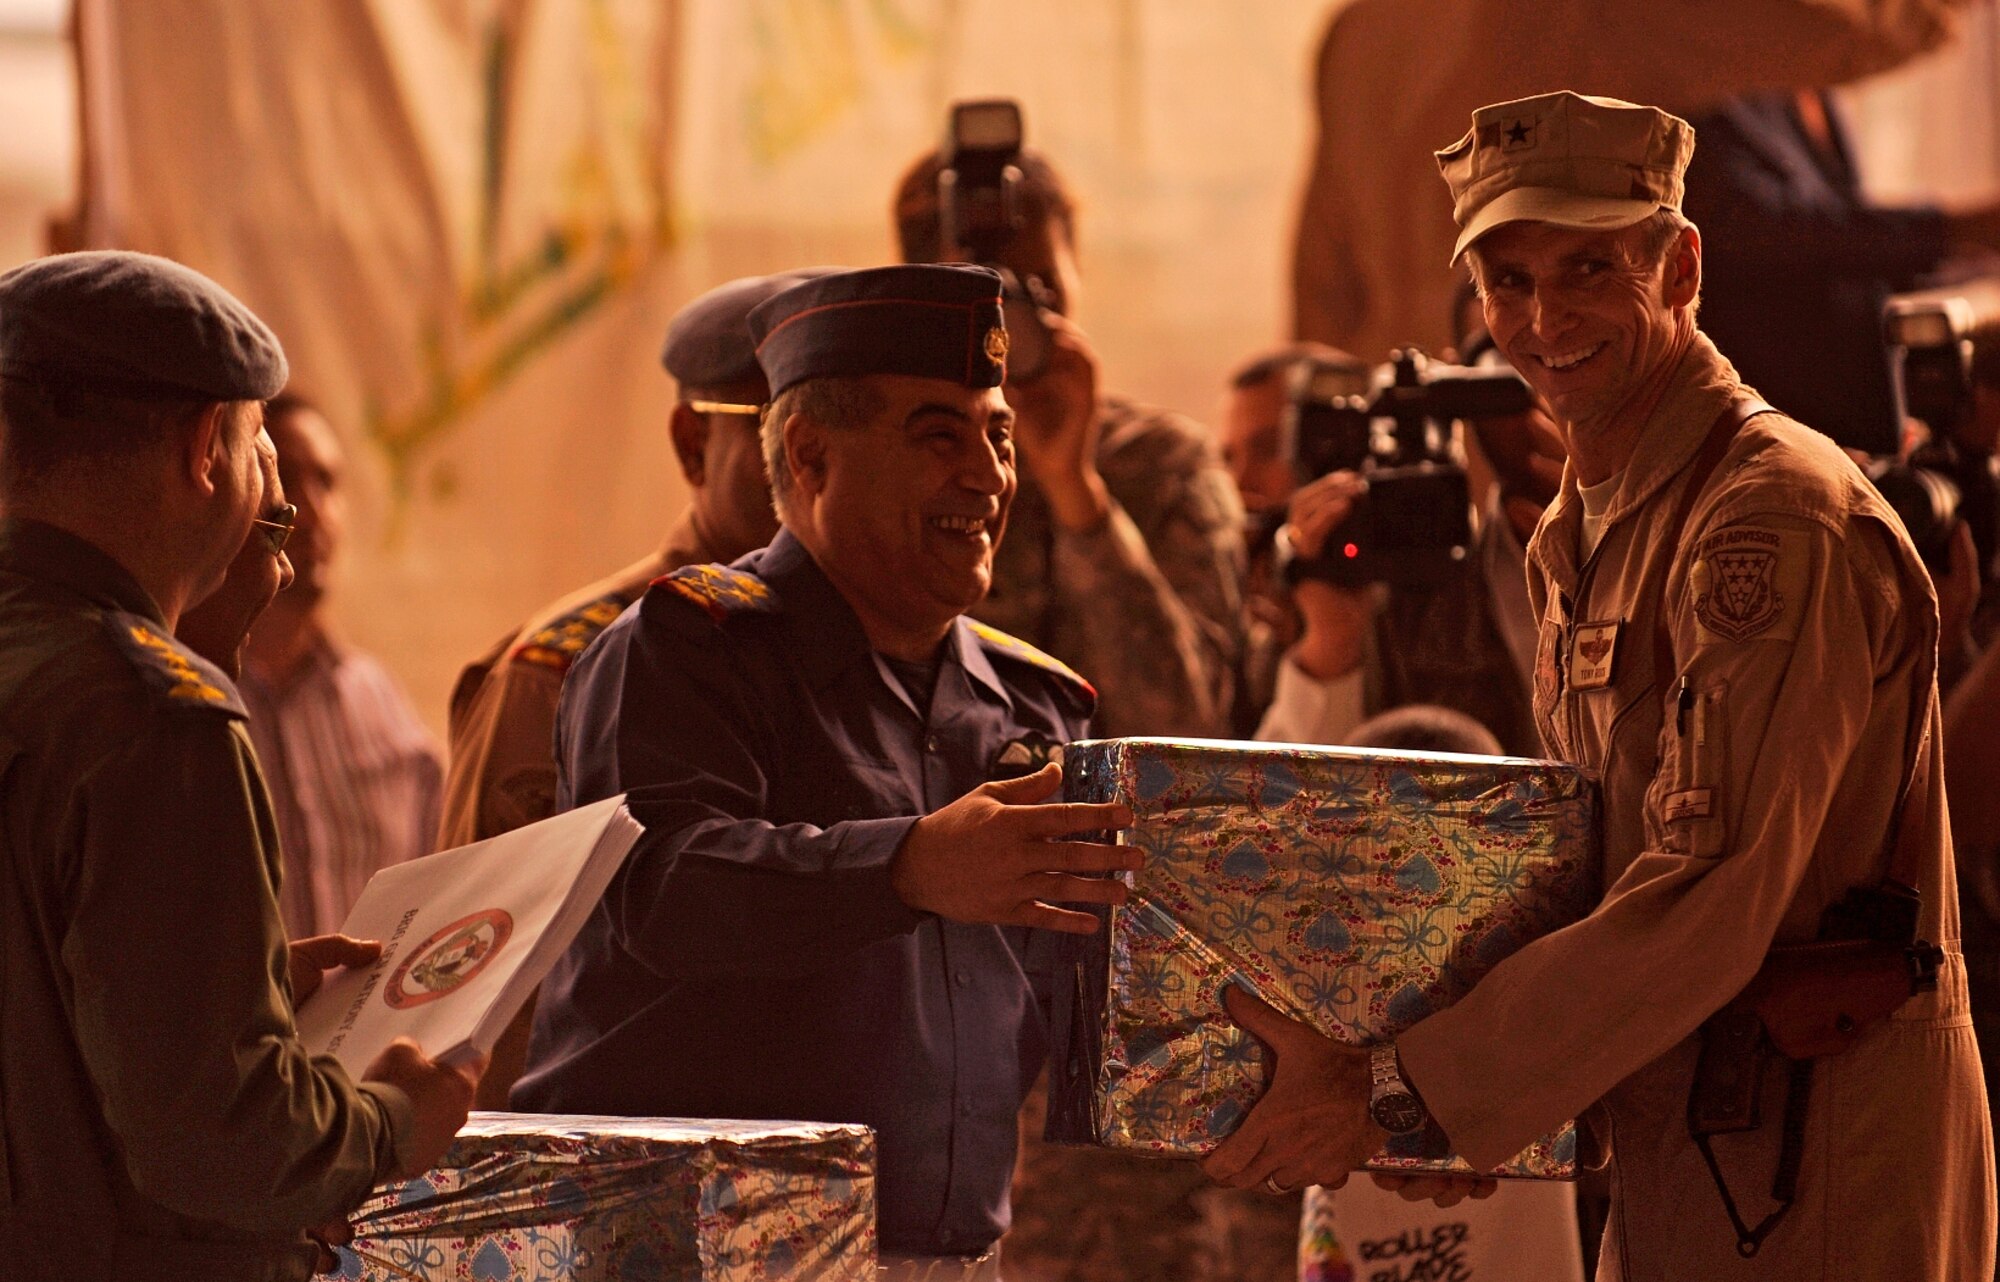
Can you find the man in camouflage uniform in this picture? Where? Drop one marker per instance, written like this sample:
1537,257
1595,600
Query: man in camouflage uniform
503,709
1124,555
1123,558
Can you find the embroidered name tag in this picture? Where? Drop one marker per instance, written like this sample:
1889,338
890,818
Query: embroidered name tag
1592,652
1689,803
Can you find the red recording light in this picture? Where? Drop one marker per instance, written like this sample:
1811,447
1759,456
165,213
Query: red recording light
1352,551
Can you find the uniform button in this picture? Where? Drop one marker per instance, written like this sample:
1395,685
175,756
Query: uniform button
965,1109
930,743
962,979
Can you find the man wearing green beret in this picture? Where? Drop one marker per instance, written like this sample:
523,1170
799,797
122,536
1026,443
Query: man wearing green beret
158,1115
1739,640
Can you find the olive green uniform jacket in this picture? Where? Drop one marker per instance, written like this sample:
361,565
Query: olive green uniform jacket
158,1116
1806,629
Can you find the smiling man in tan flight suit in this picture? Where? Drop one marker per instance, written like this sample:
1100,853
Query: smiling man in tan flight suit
1738,637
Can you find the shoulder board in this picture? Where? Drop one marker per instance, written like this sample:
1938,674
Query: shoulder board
170,669
1014,648
557,643
720,590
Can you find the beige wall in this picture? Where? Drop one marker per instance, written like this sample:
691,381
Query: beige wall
37,139
1182,127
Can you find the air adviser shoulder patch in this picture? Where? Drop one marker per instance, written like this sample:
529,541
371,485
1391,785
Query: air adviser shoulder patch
720,590
170,669
1013,647
557,644
1748,583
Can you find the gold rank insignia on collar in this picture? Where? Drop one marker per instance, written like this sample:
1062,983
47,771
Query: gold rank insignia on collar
1014,647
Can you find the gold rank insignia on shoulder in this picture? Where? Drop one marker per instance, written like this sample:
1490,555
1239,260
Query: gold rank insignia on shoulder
1001,643
172,669
557,644
719,590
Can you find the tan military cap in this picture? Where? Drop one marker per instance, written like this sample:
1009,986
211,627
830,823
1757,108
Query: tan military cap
1564,158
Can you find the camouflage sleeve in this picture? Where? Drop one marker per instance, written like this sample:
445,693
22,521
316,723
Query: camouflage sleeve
1158,612
503,763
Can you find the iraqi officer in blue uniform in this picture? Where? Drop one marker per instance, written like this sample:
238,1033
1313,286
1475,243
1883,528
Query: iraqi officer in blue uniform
842,907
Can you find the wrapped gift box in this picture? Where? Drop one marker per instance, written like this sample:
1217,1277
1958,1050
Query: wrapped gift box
523,1197
1357,891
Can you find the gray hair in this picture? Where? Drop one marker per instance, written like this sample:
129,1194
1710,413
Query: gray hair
838,404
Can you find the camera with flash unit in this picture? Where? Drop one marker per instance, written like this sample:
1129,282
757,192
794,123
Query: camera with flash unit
981,211
1946,344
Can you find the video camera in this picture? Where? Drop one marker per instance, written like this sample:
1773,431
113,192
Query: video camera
1947,342
1413,523
980,212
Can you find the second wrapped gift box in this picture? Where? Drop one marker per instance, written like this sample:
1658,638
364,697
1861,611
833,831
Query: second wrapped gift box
1357,891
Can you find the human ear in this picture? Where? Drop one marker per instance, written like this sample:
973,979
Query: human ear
1683,284
205,446
805,453
689,430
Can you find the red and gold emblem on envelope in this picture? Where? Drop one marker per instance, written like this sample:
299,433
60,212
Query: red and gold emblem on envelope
449,958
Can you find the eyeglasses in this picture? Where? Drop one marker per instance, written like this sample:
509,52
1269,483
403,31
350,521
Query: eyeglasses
725,407
277,527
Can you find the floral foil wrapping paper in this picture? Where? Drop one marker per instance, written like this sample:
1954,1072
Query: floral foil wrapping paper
1355,890
537,1197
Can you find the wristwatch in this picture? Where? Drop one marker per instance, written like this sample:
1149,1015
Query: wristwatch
1391,1102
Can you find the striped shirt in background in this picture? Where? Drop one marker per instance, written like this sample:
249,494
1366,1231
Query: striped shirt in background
356,779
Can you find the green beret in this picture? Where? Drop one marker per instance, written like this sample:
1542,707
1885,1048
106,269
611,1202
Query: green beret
127,324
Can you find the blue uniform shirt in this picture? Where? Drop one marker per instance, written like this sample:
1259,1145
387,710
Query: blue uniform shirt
751,959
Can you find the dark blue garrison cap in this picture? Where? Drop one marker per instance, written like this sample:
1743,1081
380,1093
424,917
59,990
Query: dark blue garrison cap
932,321
708,341
129,324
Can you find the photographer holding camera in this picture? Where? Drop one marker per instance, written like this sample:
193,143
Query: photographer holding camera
1123,556
1447,624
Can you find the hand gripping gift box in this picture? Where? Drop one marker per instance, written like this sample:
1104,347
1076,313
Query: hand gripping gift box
537,1197
1355,890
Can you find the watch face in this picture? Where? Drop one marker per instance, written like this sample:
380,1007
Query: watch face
1397,1112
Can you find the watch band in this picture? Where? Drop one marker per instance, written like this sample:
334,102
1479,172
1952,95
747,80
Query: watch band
1382,1067
1392,1103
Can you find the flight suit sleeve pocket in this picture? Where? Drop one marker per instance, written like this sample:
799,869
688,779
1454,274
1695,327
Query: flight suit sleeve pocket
1688,810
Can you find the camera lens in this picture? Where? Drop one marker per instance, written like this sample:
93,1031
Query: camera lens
1927,503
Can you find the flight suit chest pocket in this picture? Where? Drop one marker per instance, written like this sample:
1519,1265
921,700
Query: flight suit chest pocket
1686,812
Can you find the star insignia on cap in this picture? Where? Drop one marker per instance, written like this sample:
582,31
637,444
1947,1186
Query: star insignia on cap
1518,133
